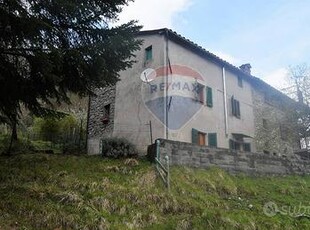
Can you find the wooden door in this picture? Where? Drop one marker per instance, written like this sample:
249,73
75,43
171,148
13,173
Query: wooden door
201,138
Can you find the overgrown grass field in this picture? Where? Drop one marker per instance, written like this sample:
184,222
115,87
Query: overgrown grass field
39,191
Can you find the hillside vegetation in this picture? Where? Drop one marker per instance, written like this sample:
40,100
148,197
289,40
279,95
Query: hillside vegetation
40,191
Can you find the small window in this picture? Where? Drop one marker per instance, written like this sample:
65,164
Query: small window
240,83
199,92
212,140
106,113
265,124
235,105
209,97
284,131
107,110
148,53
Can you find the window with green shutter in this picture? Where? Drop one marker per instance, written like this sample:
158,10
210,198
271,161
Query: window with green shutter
199,92
209,97
235,107
195,137
148,53
212,139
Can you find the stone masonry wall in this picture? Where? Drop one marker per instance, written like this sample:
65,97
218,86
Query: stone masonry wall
181,153
97,129
268,136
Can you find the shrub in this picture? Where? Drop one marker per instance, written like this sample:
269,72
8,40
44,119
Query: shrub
117,148
73,148
56,129
22,145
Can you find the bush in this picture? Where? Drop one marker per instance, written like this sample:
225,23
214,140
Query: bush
22,145
118,148
55,129
73,148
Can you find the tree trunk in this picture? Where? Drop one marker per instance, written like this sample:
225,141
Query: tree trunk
13,136
14,131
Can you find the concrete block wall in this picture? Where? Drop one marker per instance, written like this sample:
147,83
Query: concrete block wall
181,153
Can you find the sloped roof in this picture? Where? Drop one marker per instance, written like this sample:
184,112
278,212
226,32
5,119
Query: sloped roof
256,82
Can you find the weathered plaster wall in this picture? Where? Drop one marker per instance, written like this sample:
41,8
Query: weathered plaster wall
269,138
212,120
181,153
96,129
131,114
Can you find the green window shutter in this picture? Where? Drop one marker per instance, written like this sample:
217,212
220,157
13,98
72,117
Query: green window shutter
148,53
237,107
209,97
231,144
212,139
233,106
195,136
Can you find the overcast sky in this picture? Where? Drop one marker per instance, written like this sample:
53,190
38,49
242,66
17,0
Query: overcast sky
271,35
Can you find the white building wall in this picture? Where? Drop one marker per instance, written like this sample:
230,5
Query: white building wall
131,112
131,115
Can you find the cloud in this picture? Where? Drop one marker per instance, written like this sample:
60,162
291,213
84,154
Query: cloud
154,14
228,57
277,78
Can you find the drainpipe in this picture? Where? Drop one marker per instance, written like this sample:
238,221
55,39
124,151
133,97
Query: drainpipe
166,86
225,101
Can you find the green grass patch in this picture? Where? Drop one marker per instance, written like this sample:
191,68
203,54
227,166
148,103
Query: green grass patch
40,191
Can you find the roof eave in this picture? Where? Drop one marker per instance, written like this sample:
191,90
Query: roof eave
213,58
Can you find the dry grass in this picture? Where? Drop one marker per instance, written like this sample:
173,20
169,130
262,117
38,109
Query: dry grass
69,192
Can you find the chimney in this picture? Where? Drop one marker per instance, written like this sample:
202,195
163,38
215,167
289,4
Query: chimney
246,68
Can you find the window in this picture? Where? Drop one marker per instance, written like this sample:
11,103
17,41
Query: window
106,113
234,145
247,147
209,97
199,95
284,131
235,105
212,140
265,123
240,83
148,53
107,110
198,137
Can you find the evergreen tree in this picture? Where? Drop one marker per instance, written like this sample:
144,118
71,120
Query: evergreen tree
49,48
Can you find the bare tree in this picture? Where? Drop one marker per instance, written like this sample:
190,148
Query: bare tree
299,77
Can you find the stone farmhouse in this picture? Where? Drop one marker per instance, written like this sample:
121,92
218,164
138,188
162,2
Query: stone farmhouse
179,91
